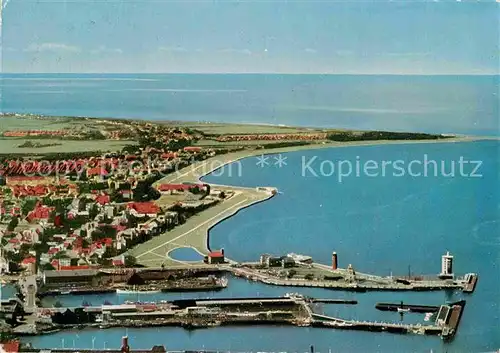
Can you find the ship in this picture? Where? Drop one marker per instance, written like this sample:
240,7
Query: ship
127,291
300,258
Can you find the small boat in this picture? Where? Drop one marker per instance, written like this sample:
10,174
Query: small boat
125,291
403,310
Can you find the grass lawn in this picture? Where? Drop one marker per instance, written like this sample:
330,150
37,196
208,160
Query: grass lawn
221,129
10,146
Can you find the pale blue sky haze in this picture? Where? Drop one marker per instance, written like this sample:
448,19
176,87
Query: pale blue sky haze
357,37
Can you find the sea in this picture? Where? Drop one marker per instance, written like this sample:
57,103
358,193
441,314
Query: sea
385,209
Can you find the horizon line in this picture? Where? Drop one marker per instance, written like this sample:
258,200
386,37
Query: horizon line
256,73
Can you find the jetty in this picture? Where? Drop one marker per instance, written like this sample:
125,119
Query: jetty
292,272
445,325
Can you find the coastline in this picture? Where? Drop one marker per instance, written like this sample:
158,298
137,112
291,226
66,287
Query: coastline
195,233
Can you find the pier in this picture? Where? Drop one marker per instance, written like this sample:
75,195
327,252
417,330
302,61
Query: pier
292,309
301,271
445,325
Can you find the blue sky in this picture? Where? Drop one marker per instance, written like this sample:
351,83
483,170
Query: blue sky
372,37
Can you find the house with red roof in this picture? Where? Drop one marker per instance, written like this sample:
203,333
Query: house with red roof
192,149
40,212
97,172
169,155
119,262
215,257
10,347
141,209
103,199
29,260
175,187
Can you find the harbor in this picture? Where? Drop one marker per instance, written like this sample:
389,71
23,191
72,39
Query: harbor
292,309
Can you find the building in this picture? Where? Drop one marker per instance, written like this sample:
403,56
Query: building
446,266
10,347
192,149
72,277
215,257
29,180
287,262
30,301
142,209
271,261
39,213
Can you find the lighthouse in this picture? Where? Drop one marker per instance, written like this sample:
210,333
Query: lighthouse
446,266
335,263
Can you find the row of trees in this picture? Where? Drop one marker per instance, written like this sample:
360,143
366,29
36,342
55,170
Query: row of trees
382,135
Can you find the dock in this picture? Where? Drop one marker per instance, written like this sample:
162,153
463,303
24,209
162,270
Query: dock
292,309
470,282
445,325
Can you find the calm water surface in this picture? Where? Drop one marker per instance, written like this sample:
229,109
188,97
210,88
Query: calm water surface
461,104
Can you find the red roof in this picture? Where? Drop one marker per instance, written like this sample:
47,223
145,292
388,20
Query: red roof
14,241
11,347
24,178
103,199
70,268
144,207
40,212
216,254
169,155
97,171
53,251
29,260
169,187
192,149
118,262
120,227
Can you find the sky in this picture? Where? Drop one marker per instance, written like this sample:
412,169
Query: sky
267,36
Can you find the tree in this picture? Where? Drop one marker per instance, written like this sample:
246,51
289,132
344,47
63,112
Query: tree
93,212
309,277
130,261
47,267
28,206
291,273
13,224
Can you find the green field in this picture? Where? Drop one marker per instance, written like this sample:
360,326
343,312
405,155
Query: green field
224,129
10,146
22,123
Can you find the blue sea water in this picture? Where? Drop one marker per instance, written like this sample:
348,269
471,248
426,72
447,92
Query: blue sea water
460,104
379,224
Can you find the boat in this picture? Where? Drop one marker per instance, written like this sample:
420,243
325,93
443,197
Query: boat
403,310
300,258
126,291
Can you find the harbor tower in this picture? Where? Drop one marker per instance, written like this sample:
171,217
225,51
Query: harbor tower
125,348
446,266
335,263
